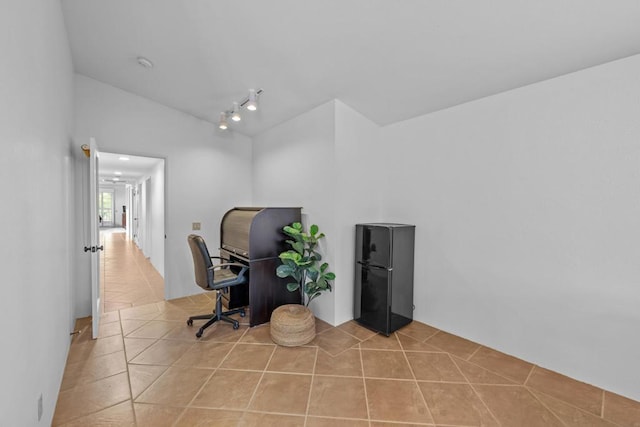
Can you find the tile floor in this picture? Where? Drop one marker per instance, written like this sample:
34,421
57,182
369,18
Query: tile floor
127,277
148,369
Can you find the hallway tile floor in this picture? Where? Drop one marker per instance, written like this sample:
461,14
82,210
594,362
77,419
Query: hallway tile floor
127,277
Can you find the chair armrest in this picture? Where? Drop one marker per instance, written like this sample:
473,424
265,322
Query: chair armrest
229,264
242,272
240,278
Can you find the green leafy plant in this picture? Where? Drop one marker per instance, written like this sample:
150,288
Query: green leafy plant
302,263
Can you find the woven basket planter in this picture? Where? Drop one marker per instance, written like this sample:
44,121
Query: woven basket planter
292,325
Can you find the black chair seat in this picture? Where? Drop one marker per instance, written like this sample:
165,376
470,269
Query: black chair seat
215,277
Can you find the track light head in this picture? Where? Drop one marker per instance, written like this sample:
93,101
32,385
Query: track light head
222,124
235,114
252,102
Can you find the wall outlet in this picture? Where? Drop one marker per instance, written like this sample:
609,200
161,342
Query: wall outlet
195,226
40,407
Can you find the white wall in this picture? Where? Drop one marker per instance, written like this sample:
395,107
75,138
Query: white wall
359,196
36,119
528,221
157,217
526,208
120,200
326,161
289,163
206,174
144,219
151,218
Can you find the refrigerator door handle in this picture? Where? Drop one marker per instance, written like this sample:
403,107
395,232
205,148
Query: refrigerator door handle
374,266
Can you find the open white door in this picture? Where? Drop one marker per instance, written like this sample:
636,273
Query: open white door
94,233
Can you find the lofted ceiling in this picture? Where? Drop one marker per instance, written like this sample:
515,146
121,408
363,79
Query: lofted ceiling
389,60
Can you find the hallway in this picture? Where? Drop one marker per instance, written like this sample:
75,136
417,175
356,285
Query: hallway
127,277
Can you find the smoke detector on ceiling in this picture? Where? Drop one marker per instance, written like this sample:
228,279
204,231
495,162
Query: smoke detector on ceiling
144,62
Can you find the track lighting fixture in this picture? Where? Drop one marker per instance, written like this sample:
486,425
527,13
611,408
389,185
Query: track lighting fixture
222,124
250,103
235,113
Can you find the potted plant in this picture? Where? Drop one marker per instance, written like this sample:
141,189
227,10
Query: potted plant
301,263
294,324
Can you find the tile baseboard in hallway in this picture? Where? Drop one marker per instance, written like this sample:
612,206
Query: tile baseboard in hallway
127,277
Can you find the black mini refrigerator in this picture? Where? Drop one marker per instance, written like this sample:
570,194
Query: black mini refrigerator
384,276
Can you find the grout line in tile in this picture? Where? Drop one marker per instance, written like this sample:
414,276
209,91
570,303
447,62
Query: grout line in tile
126,361
414,423
458,368
213,371
338,376
473,353
396,350
413,374
256,411
313,377
364,384
431,336
253,395
423,341
512,381
546,407
533,367
175,423
166,367
475,392
94,412
253,411
329,417
533,391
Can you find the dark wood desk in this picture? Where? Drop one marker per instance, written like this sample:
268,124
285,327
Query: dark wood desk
254,237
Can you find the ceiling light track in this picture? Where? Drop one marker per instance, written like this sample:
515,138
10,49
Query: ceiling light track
249,103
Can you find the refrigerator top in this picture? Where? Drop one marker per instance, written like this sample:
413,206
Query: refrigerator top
385,224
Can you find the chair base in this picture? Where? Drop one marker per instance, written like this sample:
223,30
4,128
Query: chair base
218,314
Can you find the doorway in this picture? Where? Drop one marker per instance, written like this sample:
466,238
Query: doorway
132,194
105,208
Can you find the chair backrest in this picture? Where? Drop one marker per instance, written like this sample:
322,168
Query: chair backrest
201,261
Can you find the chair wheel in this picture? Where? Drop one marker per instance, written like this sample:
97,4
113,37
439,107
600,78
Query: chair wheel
242,314
236,325
198,334
190,322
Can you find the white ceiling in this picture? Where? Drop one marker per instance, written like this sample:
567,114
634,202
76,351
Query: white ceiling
389,60
130,170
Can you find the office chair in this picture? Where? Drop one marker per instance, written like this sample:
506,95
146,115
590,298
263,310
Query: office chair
215,277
